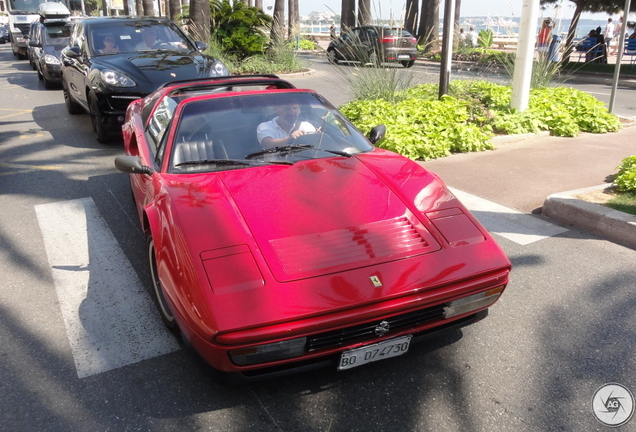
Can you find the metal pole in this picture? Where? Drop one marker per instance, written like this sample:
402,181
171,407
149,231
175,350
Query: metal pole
525,54
447,46
619,55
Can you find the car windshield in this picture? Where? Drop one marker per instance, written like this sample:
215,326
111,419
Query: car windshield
127,37
234,128
57,35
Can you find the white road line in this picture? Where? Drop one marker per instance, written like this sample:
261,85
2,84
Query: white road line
110,319
521,228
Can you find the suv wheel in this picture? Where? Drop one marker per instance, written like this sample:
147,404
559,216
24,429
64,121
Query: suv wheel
97,120
331,56
71,106
408,64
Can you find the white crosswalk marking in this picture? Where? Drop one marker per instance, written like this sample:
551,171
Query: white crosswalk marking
110,318
511,224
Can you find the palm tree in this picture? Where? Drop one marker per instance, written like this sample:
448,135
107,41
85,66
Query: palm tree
348,15
149,7
428,29
293,19
278,31
364,12
200,19
410,19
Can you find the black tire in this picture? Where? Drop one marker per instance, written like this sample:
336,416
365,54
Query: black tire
408,64
97,120
40,76
49,85
332,57
374,59
71,106
162,303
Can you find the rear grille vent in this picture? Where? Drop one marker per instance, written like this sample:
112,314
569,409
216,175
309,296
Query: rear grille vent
364,332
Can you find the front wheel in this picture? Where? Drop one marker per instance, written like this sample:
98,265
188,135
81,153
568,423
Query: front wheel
71,106
97,120
162,303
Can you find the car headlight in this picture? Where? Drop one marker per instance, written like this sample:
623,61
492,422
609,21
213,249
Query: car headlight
51,59
117,79
218,69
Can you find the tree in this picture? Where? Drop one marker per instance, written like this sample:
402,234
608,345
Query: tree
410,18
139,7
364,12
200,19
174,9
149,8
348,15
611,7
293,24
278,31
428,29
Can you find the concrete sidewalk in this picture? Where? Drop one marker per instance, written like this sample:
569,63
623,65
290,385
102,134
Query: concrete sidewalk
530,173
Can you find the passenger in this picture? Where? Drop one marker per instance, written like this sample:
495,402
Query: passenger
284,128
109,45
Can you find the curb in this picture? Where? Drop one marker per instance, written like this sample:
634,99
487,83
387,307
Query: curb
603,221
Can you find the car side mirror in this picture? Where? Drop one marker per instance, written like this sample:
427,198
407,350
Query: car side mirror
131,164
73,52
200,46
377,134
35,44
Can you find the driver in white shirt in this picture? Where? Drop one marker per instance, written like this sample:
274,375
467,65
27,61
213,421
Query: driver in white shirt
284,128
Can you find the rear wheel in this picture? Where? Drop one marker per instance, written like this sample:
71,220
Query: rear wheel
331,56
164,308
408,64
374,59
97,120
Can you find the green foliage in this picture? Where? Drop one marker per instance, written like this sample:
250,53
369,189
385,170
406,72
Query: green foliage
625,180
485,38
238,28
376,82
303,44
422,127
567,111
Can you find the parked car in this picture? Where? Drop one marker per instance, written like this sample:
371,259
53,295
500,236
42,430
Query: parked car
374,45
321,251
51,39
4,35
103,80
34,34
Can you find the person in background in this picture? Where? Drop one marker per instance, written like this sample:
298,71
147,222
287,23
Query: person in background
545,35
609,34
332,31
471,37
617,34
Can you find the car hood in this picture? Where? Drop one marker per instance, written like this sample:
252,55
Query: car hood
326,216
159,66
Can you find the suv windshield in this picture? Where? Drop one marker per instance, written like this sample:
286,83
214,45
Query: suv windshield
116,37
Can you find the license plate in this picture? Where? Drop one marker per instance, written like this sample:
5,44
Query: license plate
370,353
404,56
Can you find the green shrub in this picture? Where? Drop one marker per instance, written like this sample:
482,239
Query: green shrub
625,180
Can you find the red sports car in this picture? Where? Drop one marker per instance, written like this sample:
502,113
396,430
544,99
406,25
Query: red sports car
279,238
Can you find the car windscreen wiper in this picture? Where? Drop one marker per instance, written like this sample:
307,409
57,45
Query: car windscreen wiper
279,149
230,162
292,148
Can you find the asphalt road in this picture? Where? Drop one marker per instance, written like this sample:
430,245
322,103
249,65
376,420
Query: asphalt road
564,327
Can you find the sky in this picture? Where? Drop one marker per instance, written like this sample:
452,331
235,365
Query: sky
493,8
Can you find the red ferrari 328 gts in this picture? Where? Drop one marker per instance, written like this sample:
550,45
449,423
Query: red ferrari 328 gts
272,255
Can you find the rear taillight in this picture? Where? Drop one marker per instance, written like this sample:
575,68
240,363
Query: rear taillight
413,40
387,40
